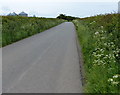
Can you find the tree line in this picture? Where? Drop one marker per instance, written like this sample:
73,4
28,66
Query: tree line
69,18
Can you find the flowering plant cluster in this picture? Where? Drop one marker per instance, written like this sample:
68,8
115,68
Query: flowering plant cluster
99,38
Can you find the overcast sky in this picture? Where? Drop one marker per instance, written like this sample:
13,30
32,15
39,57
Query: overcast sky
52,8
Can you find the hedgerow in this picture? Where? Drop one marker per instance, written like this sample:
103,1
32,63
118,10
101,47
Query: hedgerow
15,28
99,38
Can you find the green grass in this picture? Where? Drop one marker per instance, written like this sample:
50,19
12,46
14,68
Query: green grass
15,28
0,31
99,38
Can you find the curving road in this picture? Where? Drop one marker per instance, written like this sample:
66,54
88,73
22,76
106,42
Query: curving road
44,63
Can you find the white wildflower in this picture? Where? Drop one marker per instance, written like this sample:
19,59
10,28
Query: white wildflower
105,44
110,79
102,31
92,22
117,55
113,46
106,55
115,83
101,26
112,43
104,63
110,55
102,37
96,33
115,76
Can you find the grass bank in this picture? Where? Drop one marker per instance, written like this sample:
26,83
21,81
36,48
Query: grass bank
99,37
15,28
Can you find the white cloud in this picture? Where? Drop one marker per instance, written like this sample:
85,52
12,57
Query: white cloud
55,7
32,1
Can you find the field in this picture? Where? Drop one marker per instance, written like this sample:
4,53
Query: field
15,28
99,38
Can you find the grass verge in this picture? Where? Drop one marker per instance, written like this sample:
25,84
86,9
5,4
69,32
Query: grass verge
99,37
15,28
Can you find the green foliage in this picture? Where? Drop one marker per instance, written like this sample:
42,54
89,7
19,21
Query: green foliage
15,28
68,18
0,31
99,37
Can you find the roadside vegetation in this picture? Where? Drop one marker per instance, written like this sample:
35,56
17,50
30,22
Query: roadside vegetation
15,28
99,38
0,31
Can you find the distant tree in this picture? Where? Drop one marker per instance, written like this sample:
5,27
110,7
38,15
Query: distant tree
63,16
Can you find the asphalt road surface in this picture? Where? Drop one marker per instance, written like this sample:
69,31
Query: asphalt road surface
44,63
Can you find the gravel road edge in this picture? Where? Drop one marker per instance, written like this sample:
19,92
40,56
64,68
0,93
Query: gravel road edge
81,61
